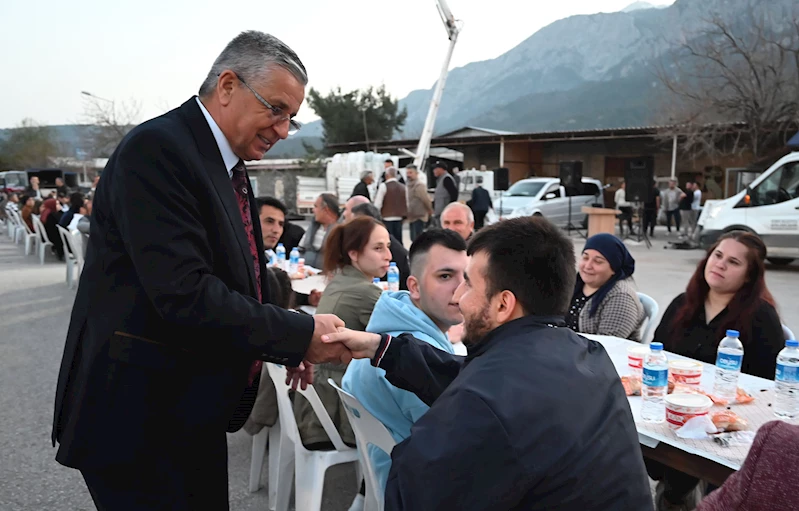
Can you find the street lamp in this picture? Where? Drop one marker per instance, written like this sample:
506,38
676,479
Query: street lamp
95,97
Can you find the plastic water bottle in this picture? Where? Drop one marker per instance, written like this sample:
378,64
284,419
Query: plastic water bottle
786,381
376,282
272,258
280,251
294,261
655,384
728,366
393,277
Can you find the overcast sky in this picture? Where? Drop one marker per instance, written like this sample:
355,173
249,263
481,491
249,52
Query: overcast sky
157,52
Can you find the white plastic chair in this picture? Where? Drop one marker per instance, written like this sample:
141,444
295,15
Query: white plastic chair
24,233
42,240
786,332
77,245
309,466
69,257
651,310
368,431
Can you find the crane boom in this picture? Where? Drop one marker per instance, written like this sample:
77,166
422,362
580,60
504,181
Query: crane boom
453,30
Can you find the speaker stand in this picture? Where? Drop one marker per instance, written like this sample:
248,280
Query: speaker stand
570,226
641,235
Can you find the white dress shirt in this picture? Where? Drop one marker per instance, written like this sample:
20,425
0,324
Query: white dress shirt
228,156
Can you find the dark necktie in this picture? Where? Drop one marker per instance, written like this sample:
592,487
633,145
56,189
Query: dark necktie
241,187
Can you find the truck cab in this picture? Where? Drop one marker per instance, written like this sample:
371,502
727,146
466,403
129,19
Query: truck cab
769,207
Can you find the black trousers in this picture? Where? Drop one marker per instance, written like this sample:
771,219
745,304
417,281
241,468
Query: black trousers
650,220
394,227
479,219
677,484
626,214
174,482
676,214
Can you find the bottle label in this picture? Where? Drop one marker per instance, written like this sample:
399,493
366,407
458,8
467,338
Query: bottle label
728,361
787,374
655,377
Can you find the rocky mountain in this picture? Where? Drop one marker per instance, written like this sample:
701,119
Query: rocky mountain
581,72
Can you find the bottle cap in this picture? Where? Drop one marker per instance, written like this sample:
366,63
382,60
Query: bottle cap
733,333
792,343
392,263
656,346
280,245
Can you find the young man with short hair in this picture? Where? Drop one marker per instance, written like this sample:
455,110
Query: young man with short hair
427,310
535,417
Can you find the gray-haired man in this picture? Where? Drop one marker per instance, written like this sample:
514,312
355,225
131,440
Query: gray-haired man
171,322
362,188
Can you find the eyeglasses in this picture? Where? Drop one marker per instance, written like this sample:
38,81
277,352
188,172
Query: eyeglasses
294,126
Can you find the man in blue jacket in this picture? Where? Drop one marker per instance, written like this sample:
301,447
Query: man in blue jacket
535,418
427,310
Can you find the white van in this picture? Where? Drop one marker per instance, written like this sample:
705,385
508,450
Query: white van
544,196
768,207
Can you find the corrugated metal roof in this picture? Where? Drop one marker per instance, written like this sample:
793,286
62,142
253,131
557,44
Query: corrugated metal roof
477,128
599,133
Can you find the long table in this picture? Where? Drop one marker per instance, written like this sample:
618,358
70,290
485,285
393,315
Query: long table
701,458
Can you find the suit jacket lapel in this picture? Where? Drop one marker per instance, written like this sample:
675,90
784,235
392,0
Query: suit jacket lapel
214,165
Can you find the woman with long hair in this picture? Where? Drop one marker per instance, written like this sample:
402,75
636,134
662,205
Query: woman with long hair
50,215
727,291
605,301
355,253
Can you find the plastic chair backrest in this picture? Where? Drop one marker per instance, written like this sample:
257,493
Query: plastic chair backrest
786,332
64,234
363,423
651,310
368,431
77,245
286,410
38,226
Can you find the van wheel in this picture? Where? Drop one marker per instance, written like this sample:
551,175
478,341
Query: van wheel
780,261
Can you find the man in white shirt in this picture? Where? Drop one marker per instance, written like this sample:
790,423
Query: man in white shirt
625,208
692,215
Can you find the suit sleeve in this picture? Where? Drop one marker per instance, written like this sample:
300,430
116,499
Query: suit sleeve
458,456
417,367
156,204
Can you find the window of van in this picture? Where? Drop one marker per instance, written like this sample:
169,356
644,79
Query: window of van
522,189
782,185
586,189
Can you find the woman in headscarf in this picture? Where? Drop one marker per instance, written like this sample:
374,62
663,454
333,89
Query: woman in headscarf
50,215
605,301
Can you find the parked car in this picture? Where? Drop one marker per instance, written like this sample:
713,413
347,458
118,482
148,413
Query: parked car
13,181
544,196
769,207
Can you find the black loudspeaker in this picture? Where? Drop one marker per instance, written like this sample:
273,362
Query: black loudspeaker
639,177
501,179
571,174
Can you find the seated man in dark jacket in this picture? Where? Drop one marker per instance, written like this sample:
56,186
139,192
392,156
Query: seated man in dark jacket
535,417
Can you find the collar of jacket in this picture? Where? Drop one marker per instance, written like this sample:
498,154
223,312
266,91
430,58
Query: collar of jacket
515,328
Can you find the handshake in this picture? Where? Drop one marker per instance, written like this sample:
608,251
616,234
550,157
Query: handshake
332,343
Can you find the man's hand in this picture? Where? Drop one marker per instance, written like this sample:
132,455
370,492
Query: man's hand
361,344
313,298
302,375
319,352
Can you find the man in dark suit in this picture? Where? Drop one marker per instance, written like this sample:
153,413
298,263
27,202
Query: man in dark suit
171,320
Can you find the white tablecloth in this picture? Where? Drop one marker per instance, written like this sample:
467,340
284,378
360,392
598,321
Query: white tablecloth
650,435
